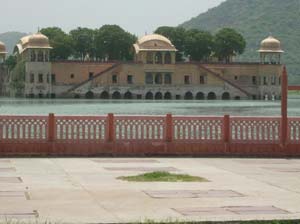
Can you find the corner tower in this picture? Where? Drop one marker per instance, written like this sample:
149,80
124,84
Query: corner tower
2,52
270,51
34,52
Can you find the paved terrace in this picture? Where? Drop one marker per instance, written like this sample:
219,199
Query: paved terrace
86,190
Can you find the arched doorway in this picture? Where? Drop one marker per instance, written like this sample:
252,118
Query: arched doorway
116,95
159,96
226,96
168,58
200,96
104,95
188,96
77,96
89,95
168,96
158,58
211,96
128,96
149,96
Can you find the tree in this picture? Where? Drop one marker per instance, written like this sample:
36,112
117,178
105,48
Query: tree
114,43
11,62
84,42
61,42
198,45
177,36
228,43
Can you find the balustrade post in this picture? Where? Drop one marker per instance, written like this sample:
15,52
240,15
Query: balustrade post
110,128
169,128
226,130
51,127
284,105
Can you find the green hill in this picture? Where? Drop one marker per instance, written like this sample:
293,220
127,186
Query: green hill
257,19
10,39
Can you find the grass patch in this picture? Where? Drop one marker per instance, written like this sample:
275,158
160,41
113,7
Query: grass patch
162,177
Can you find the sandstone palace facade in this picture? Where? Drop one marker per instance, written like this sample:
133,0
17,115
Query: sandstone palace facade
153,74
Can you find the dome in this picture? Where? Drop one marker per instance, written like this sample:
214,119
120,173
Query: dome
154,42
2,48
154,37
38,41
271,45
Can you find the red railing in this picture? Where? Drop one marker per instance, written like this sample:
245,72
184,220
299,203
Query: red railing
24,128
93,129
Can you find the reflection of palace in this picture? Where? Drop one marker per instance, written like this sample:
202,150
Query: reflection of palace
154,74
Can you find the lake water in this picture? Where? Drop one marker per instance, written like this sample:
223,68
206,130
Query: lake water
100,107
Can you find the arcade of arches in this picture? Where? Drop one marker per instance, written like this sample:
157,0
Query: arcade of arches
157,95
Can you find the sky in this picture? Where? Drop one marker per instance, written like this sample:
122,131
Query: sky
136,16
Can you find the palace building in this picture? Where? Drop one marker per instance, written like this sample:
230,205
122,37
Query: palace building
153,74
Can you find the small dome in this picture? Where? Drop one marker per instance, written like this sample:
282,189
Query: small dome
38,40
2,48
154,42
153,37
270,44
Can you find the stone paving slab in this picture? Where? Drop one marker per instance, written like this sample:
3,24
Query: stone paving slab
125,161
193,194
14,194
283,170
142,169
18,215
80,190
11,180
240,210
7,169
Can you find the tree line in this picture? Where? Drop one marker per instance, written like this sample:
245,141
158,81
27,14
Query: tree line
111,42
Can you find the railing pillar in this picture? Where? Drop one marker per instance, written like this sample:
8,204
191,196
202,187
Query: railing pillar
110,128
169,128
51,127
226,129
284,105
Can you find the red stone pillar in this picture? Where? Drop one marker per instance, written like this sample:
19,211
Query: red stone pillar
51,127
226,129
284,105
169,128
110,128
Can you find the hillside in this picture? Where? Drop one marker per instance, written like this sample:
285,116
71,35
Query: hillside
256,19
10,39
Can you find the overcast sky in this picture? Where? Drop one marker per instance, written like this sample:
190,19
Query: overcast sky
136,16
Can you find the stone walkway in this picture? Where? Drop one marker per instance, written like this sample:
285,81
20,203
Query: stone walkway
85,190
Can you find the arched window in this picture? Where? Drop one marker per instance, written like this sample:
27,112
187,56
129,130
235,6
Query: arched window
89,95
168,79
158,58
149,78
168,58
116,95
211,96
40,56
128,96
32,55
46,56
104,95
158,78
149,58
158,96
226,96
168,96
200,96
149,96
188,96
